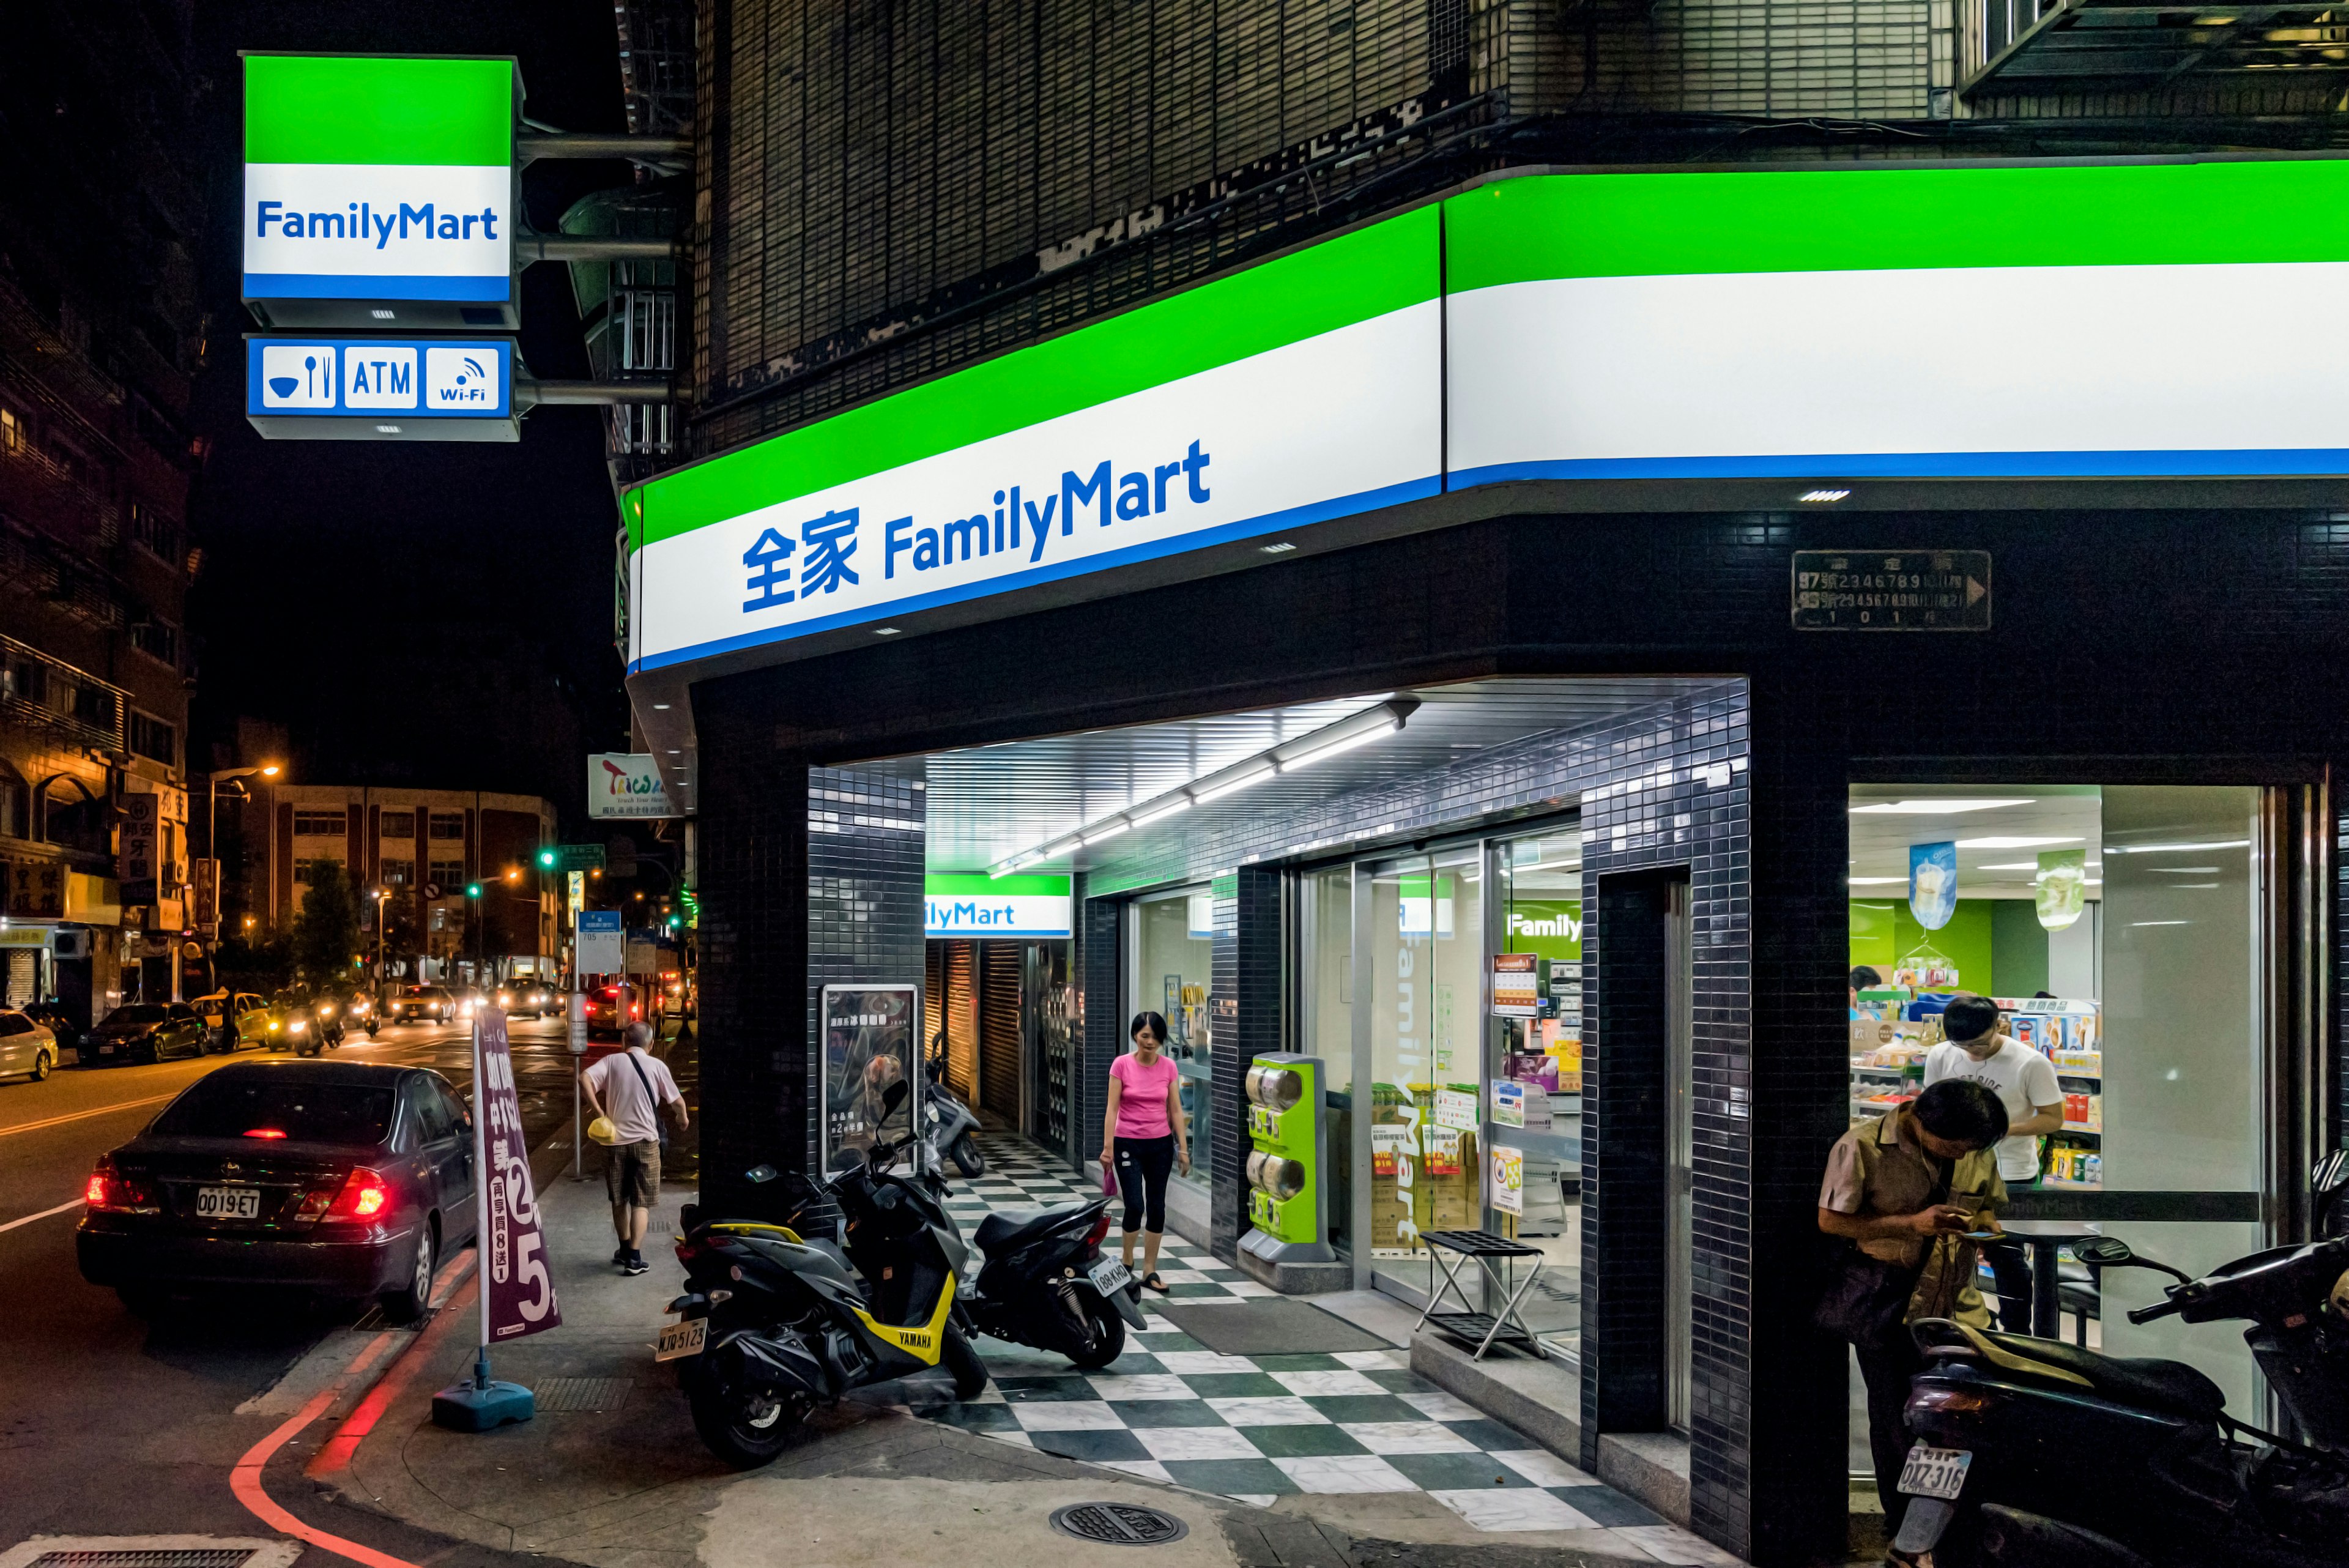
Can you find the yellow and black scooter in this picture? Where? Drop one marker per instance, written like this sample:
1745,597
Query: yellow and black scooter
772,1324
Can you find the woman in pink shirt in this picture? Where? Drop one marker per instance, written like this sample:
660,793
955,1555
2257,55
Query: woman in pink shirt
1142,1138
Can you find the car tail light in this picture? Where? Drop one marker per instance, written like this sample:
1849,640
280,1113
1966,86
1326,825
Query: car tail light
365,1195
264,1132
111,1192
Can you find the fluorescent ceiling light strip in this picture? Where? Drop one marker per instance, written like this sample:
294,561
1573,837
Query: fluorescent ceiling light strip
2171,848
1109,829
1165,808
1932,807
1232,784
2011,843
1875,881
1342,743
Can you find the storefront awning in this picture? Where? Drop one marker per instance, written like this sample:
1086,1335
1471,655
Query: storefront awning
2104,44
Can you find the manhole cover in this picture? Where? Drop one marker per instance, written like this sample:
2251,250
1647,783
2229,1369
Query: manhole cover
1119,1524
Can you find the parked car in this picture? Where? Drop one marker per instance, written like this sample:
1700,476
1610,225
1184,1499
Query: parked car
239,1019
528,998
54,1017
610,1011
26,1045
146,1031
343,1179
421,1004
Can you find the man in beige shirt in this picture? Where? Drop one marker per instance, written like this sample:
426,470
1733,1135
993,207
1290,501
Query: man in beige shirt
1904,1188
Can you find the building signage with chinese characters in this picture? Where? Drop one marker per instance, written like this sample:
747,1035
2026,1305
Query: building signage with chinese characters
1892,590
627,785
380,389
379,189
982,906
136,847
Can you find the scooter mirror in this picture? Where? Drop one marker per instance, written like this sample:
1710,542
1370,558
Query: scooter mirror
2104,1252
2331,1173
891,1097
758,1173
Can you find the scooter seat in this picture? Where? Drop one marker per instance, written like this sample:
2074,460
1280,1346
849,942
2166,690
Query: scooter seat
2168,1385
1008,1227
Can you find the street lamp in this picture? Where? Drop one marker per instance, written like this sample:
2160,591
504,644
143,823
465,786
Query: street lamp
212,799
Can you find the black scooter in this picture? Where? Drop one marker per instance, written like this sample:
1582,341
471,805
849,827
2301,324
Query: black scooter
2032,1453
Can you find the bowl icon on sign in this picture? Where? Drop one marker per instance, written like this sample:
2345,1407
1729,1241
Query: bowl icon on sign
284,385
297,376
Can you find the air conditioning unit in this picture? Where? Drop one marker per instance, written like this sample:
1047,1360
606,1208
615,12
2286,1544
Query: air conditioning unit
69,942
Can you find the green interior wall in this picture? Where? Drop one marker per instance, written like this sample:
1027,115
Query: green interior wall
1969,938
2018,946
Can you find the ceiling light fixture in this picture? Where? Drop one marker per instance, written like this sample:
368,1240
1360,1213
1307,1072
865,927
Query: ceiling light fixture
1384,716
1934,807
2176,848
1875,881
2022,843
884,631
1820,497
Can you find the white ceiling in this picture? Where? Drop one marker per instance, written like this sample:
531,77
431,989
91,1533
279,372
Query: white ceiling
1879,841
988,803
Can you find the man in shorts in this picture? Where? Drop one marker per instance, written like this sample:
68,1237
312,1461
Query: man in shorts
630,1087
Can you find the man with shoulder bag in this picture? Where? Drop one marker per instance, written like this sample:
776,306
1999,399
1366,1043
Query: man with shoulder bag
1907,1194
636,1086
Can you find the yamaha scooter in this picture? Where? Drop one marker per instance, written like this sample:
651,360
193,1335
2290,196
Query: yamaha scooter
2033,1453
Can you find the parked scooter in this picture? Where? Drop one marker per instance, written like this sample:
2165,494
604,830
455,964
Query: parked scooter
950,1129
2032,1453
771,1322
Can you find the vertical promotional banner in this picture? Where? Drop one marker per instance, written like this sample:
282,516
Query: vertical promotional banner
868,1045
517,1291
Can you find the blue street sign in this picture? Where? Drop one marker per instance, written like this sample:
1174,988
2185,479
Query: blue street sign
380,389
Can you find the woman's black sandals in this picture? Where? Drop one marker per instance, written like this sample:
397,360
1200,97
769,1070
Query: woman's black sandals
1151,1281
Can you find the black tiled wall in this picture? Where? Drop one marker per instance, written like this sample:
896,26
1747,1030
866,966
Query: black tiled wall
1101,957
865,831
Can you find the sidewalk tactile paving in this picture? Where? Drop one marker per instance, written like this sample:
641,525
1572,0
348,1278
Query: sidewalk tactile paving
1255,1428
562,1395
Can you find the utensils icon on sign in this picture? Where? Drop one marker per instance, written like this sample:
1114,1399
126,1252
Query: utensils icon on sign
298,376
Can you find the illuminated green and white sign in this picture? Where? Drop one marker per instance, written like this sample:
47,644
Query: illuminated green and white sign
974,904
378,179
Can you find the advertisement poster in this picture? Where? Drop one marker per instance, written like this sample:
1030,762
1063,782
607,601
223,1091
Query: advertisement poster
1454,1109
1516,985
135,861
518,1294
868,1045
627,785
2062,886
1933,883
1508,1183
1508,1103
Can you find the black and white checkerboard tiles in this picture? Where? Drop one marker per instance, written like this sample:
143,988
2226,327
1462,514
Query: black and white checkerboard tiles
1257,1428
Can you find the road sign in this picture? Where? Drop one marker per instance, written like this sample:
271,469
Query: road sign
579,857
380,389
602,944
1891,590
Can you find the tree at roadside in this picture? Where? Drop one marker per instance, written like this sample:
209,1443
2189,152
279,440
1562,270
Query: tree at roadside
327,931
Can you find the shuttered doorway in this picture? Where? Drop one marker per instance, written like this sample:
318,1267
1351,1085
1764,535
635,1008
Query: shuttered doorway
999,1028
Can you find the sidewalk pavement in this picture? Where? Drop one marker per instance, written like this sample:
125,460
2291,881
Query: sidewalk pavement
611,1473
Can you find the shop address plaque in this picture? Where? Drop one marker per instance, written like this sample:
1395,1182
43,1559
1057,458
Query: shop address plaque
1891,590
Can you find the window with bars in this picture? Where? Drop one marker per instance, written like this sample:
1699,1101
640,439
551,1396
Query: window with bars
156,535
400,873
157,640
450,875
314,821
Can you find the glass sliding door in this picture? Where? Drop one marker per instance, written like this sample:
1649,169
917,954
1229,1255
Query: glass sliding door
1539,911
1326,1019
1170,969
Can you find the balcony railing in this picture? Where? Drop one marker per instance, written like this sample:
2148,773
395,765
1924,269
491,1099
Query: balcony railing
44,693
2042,47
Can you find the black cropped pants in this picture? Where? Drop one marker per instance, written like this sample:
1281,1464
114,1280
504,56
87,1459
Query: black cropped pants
1143,1164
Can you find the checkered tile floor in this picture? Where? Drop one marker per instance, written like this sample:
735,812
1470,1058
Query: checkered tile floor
1257,1428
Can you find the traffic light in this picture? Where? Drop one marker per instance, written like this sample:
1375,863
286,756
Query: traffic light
546,858
676,922
472,889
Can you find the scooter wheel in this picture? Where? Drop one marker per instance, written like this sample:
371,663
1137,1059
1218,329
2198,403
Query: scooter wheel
964,1152
959,1358
746,1432
1109,1337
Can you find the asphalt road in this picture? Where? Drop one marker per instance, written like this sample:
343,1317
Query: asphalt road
110,1426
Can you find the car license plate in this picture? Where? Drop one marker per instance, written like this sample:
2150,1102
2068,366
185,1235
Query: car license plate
1935,1473
684,1337
106,1049
228,1202
1109,1274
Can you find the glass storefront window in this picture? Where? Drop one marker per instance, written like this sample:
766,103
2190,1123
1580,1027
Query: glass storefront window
1423,956
1174,956
1327,1028
1539,891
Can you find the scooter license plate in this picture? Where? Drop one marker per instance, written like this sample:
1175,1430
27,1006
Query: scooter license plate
1935,1473
1109,1274
682,1338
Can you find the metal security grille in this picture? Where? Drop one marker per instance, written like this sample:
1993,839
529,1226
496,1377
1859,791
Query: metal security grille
1119,1524
961,1000
998,1026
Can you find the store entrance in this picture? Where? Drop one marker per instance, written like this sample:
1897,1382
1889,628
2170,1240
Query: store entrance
998,1010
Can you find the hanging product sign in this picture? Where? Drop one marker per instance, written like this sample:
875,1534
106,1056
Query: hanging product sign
2061,887
1516,985
868,1045
977,905
1455,1109
1933,883
601,943
366,389
135,862
1508,1103
1763,323
627,785
1508,1183
519,1297
379,191
1300,390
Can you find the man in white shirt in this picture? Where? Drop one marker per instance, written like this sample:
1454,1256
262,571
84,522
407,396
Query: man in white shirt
1976,1052
630,1087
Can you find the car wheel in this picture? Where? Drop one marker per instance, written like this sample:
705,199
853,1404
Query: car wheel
41,1066
409,1302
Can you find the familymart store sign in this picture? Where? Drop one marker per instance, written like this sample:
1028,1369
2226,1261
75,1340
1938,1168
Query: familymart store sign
976,905
1795,325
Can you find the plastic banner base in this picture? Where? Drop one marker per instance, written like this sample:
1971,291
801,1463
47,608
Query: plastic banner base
463,1408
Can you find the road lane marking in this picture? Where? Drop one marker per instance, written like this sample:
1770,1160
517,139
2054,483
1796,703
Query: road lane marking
43,1214
84,1116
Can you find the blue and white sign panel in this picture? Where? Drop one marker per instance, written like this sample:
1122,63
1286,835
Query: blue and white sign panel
602,944
371,388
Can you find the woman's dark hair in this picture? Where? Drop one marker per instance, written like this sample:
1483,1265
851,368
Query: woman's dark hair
1153,1022
1962,1111
1864,978
1968,1016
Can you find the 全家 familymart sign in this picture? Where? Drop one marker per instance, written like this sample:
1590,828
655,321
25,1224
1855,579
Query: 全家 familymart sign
1914,322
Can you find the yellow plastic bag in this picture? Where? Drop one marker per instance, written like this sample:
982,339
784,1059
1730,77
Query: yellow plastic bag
602,1130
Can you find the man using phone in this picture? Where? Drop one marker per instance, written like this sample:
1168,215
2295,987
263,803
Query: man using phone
1906,1187
1977,1051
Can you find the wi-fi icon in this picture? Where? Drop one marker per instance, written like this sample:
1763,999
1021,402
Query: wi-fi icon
475,367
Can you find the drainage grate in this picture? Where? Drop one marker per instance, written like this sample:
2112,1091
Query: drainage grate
203,1557
578,1394
1119,1524
374,1319
149,1551
656,1226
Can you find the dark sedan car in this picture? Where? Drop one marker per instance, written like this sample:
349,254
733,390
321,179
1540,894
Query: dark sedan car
343,1179
146,1031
